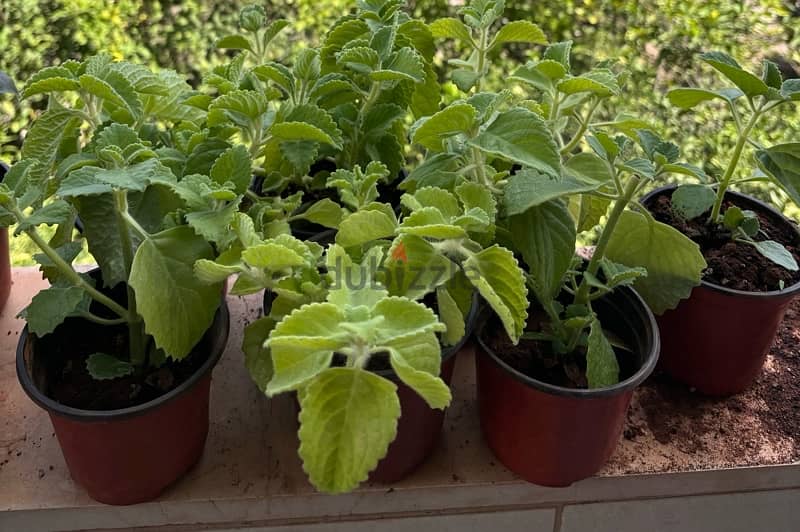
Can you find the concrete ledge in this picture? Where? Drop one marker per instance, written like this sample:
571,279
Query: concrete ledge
250,475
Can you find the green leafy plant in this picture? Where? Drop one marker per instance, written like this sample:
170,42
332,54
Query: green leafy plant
749,100
103,151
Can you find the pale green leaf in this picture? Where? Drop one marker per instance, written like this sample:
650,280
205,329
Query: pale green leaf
430,387
348,418
451,316
406,64
748,83
450,28
272,256
48,131
529,188
257,358
234,165
414,268
790,89
325,212
234,42
365,226
601,82
429,222
519,31
782,163
686,98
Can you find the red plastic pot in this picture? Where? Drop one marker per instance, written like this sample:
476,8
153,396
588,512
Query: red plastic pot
5,258
554,436
129,455
717,340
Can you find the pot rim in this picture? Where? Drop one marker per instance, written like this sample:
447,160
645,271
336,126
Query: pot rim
789,291
218,344
621,387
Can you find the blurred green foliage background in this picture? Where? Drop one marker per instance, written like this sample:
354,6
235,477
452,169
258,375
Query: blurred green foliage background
656,39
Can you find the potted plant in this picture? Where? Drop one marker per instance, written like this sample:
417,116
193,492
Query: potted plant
121,357
362,315
7,86
717,340
552,404
338,106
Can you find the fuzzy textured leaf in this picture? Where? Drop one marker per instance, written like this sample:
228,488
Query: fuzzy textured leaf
602,368
452,120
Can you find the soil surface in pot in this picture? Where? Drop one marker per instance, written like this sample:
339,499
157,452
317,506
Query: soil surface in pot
732,264
69,381
670,427
536,359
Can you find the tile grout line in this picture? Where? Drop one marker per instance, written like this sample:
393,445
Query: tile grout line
558,518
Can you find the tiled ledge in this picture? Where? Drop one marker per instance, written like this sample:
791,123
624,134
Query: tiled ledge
250,475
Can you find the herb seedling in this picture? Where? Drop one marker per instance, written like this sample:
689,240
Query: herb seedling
749,100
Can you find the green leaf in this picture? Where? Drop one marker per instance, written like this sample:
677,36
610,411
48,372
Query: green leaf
234,42
302,345
602,368
361,59
748,83
177,307
673,262
545,237
690,97
50,307
451,316
45,136
257,358
90,180
50,84
450,28
233,165
777,253
601,82
690,201
214,224
53,213
406,64
530,188
324,212
521,136
348,418
782,164
430,387
619,274
414,267
771,74
320,119
272,257
453,120
106,367
790,89
497,276
103,90
242,108
171,106
519,31
302,131
465,79
430,222
559,52
365,226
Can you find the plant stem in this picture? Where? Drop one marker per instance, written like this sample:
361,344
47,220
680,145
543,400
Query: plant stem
481,59
136,335
581,131
102,321
582,297
73,276
734,162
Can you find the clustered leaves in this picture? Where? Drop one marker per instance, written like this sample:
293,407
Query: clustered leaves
177,190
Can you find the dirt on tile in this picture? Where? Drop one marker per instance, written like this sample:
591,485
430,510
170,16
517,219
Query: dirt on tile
671,427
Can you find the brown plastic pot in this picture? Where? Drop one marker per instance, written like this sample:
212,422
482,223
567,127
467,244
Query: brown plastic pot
129,455
554,436
5,258
717,340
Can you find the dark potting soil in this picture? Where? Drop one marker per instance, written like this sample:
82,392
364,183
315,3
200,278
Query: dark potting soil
537,360
70,383
732,264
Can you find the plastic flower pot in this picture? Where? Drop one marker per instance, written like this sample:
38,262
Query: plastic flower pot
551,435
419,426
717,340
128,455
5,258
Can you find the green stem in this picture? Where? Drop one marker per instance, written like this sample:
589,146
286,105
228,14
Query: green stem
481,59
581,131
136,334
582,297
369,101
71,275
734,162
102,321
